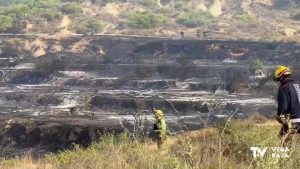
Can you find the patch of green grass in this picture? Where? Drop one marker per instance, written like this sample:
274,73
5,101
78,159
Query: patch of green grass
195,19
227,146
71,8
145,20
91,27
113,152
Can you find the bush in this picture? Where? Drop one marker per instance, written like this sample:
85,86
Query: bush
71,8
195,19
240,136
48,14
6,23
146,20
45,4
179,4
182,6
225,147
91,27
166,11
12,47
19,11
148,3
255,65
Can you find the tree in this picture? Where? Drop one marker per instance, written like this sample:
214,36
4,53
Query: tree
45,4
20,11
71,8
255,65
6,23
91,27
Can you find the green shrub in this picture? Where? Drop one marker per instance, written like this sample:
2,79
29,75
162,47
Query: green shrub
179,4
146,20
45,4
48,14
12,47
239,136
255,65
91,27
148,3
228,146
195,19
17,11
71,8
182,6
6,23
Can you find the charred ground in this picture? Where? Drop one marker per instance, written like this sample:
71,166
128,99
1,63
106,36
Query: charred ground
57,92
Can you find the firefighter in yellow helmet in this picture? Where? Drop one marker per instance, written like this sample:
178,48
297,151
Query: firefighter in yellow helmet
288,101
160,128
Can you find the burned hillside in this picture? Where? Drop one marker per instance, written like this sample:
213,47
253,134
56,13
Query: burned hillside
74,88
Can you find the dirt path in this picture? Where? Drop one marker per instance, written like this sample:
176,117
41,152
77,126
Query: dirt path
64,25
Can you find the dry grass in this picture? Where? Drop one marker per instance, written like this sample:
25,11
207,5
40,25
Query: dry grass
198,149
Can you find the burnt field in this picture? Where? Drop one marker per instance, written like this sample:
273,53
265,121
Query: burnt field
59,91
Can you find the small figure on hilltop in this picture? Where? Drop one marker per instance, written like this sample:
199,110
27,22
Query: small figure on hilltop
198,33
205,34
288,112
182,34
160,128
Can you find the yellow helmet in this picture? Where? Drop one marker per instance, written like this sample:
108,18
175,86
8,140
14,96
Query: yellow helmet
281,71
158,114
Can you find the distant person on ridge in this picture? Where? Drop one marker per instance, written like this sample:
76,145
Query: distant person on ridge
182,34
288,112
160,128
198,33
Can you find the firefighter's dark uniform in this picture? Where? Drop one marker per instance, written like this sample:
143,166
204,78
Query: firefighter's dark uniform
289,104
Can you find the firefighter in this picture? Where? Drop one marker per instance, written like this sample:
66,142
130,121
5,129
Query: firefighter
182,34
160,128
288,112
198,33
